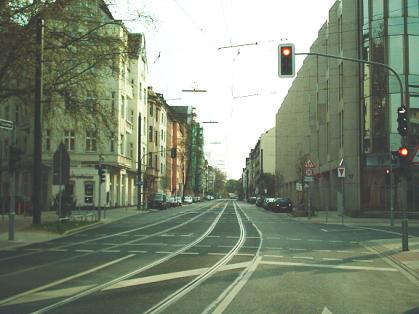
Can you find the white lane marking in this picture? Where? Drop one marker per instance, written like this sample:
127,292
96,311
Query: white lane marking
335,241
331,259
374,229
203,245
279,256
314,240
274,238
227,246
225,300
58,250
250,247
273,248
245,254
296,249
345,267
324,230
211,253
167,235
303,257
322,251
170,276
362,260
50,294
178,245
137,251
18,297
186,235
326,311
163,252
84,251
355,242
213,236
253,237
293,239
111,251
341,251
153,244
190,253
232,237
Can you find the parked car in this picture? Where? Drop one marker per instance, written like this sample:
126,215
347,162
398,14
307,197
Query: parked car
188,200
178,200
171,200
251,200
158,200
267,201
281,204
259,201
196,199
209,197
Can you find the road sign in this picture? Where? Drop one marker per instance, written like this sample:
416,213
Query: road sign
6,124
308,164
299,186
309,172
308,179
341,172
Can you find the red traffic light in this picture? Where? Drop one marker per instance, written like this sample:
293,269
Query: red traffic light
286,51
403,151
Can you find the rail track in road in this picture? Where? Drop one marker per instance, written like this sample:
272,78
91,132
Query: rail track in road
217,264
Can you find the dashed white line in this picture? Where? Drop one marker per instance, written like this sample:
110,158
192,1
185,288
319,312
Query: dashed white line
232,237
322,251
84,251
335,241
163,252
293,239
296,249
190,253
274,238
331,259
137,251
362,260
340,251
58,250
245,254
279,256
315,240
303,257
111,251
225,246
213,236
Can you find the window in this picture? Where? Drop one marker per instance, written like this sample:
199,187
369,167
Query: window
132,84
91,141
112,142
140,91
340,81
156,136
157,115
69,140
131,150
340,33
161,150
113,103
122,107
131,116
161,168
151,110
155,162
162,118
150,160
121,145
150,134
47,140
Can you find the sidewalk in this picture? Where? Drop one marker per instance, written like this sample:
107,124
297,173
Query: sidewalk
25,233
390,248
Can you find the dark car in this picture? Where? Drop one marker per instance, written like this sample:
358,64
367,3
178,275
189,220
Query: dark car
267,202
281,204
159,201
259,201
251,200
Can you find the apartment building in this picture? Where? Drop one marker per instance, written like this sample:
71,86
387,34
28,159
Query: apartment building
97,118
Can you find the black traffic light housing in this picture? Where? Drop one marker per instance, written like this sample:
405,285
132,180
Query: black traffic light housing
101,172
402,121
286,60
404,159
387,174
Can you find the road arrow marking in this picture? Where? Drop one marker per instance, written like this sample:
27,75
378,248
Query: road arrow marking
326,311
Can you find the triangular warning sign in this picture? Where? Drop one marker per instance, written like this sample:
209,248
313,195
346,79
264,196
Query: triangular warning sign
341,171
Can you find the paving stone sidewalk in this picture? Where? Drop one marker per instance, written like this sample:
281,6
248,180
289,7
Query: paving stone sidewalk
25,233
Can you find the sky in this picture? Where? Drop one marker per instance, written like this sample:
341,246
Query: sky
189,47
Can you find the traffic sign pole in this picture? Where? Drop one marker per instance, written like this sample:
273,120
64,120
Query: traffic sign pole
12,195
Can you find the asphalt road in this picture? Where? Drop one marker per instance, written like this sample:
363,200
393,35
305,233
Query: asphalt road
211,257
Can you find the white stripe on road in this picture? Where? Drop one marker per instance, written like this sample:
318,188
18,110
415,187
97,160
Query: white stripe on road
314,240
293,239
163,252
84,251
111,251
170,276
331,259
303,257
22,297
278,256
213,236
190,253
324,230
216,254
345,267
133,251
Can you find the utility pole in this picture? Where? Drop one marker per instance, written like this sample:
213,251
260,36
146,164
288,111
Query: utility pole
37,147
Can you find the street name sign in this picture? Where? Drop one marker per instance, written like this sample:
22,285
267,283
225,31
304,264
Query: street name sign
6,124
308,179
341,172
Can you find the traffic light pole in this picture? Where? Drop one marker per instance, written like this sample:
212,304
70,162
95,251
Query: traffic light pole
12,213
403,183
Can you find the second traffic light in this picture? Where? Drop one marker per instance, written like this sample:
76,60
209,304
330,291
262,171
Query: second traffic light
101,173
402,121
286,60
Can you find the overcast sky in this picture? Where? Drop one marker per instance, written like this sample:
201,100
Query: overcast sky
185,51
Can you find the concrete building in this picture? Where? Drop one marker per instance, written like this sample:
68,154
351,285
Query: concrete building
338,113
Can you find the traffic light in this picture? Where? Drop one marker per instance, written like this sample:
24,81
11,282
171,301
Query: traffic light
404,160
387,174
286,58
173,152
101,172
402,121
